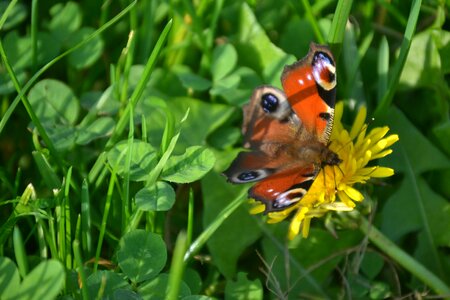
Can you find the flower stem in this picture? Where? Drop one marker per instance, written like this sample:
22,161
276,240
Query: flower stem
404,259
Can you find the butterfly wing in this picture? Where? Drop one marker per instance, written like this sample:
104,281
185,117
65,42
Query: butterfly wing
287,134
310,86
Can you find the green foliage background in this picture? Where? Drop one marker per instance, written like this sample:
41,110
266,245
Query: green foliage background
118,118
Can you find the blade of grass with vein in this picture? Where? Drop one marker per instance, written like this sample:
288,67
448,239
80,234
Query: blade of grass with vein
383,68
394,77
19,252
177,267
81,273
6,13
34,31
67,220
126,178
190,222
137,93
404,259
337,30
86,237
107,207
312,20
209,231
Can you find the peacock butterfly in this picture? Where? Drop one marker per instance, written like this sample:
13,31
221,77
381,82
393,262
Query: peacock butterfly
287,132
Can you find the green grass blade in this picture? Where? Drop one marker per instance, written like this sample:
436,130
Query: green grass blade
313,21
337,30
80,266
177,267
107,207
135,97
67,220
86,235
404,259
34,31
6,13
394,77
38,74
19,252
383,68
208,232
190,223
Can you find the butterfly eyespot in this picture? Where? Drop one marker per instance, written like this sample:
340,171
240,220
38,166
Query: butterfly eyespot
248,176
269,102
324,70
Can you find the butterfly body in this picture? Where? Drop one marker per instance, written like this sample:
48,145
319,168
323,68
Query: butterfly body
287,132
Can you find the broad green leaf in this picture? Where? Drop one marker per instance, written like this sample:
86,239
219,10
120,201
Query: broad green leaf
239,230
43,282
141,255
9,278
104,284
158,197
289,40
254,46
223,61
156,289
143,159
243,289
203,119
442,134
191,80
372,264
193,280
414,207
62,136
189,167
89,53
66,19
54,102
423,62
101,127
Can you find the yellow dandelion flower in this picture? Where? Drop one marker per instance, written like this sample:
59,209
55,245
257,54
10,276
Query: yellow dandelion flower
333,190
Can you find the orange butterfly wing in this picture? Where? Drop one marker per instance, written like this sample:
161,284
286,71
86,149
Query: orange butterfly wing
287,132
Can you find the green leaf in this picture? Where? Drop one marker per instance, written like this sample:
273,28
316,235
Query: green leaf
254,46
17,15
104,284
372,264
414,207
43,282
223,61
9,278
66,19
101,127
189,167
141,255
156,289
422,63
191,80
88,53
54,102
143,159
158,197
203,119
239,230
193,280
295,270
243,288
